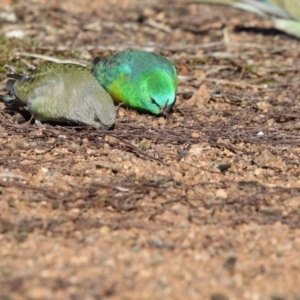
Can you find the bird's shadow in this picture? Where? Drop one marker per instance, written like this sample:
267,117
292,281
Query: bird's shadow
29,119
263,31
24,113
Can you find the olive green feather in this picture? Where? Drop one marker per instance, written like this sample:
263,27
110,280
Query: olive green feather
62,93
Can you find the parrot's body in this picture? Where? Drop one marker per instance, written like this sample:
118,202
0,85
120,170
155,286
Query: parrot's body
62,93
141,80
285,13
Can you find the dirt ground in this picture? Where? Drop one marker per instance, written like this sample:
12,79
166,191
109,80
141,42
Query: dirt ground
203,204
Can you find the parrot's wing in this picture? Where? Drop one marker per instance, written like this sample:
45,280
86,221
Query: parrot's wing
111,69
40,78
263,8
291,27
291,6
285,13
275,8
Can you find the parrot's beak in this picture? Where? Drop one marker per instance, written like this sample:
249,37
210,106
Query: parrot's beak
166,108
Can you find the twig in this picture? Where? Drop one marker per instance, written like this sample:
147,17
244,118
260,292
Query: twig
50,58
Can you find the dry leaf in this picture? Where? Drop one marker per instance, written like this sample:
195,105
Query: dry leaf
200,98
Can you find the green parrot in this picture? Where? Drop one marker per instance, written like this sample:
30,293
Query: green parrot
141,80
285,13
62,93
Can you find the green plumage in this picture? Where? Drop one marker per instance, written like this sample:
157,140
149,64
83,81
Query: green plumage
62,93
285,13
141,80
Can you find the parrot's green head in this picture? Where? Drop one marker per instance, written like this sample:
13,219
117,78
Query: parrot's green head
143,81
155,92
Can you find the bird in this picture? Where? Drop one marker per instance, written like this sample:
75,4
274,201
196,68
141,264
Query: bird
285,13
141,80
61,93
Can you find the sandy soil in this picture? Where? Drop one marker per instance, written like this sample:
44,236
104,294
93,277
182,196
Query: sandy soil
204,204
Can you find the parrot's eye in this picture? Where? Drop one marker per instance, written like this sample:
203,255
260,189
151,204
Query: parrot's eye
154,102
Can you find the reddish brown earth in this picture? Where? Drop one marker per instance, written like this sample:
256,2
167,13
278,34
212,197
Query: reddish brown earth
204,204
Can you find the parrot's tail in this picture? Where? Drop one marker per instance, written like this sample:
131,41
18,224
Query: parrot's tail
95,62
10,85
11,100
